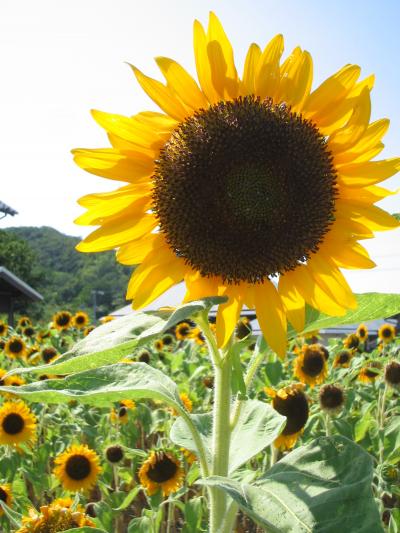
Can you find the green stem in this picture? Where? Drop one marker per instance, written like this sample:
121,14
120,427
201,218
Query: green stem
202,321
254,363
170,517
328,426
381,422
198,442
220,440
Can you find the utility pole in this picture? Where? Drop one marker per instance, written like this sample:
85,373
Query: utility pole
95,292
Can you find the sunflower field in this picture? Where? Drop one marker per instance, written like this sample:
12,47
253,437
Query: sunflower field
106,448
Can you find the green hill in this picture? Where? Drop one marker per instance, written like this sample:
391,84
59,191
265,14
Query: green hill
47,260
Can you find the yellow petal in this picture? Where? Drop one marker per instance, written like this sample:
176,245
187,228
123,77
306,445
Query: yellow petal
134,252
373,135
369,173
202,63
332,90
250,65
109,163
331,280
199,287
352,256
271,316
352,132
350,156
118,232
293,303
161,95
296,79
365,195
160,270
372,216
182,83
222,64
346,226
268,71
228,315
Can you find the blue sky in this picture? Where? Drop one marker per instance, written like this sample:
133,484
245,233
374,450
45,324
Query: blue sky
60,59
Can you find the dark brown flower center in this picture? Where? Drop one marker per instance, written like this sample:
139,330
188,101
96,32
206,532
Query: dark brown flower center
3,495
78,467
236,190
16,346
63,319
392,373
387,333
13,424
80,319
114,454
48,354
163,469
331,396
313,362
295,408
343,357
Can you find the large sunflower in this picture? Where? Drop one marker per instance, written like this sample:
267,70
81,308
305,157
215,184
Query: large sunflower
15,347
230,167
310,366
77,468
17,424
161,470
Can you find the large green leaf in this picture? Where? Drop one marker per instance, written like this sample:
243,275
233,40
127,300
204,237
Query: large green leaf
371,306
257,427
103,386
320,488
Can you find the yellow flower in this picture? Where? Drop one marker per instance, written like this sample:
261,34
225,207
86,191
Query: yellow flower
62,320
292,403
218,172
158,345
48,354
29,331
310,365
55,517
17,424
161,470
331,398
370,372
15,347
24,321
3,328
121,414
362,332
106,319
387,333
343,359
197,335
182,331
80,320
77,468
88,330
187,402
5,496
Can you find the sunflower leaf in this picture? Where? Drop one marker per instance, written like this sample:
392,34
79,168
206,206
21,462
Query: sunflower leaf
311,489
103,386
14,517
257,427
371,306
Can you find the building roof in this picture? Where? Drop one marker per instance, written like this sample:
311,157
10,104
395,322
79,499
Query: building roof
10,284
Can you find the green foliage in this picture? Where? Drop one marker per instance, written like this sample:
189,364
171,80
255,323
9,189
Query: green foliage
47,260
313,489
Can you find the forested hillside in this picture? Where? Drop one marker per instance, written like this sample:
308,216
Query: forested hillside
47,260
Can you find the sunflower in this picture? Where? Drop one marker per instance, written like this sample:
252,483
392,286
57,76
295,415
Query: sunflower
106,319
362,332
197,335
80,320
392,374
243,328
15,347
161,470
213,181
5,496
351,342
370,372
43,335
187,402
88,330
158,345
2,374
292,403
168,341
189,456
29,331
17,424
310,365
24,321
331,399
77,468
62,320
54,517
3,329
14,381
48,354
2,344
114,454
387,333
182,331
342,359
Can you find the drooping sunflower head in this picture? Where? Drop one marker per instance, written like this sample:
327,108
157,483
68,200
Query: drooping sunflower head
15,347
161,470
48,354
168,341
80,320
310,365
88,330
370,372
331,398
351,342
17,424
24,321
114,454
387,333
215,181
343,359
77,468
5,495
292,403
54,518
3,329
362,332
62,320
144,356
392,374
182,331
